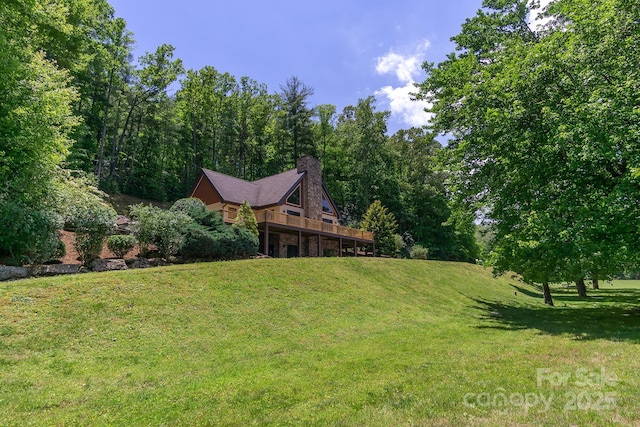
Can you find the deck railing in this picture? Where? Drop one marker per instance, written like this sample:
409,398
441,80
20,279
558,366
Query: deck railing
279,218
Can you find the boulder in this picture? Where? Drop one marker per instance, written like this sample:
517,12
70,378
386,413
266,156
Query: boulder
101,264
56,269
8,272
158,262
123,225
138,263
146,262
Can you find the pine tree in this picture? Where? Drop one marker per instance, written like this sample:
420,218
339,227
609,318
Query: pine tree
383,224
246,218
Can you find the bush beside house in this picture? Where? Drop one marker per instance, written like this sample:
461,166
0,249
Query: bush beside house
191,231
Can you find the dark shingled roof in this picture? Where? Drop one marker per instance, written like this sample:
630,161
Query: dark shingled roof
267,191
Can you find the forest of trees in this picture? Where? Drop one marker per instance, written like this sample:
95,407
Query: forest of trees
543,126
75,103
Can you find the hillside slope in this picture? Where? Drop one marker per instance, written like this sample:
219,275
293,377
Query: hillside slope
308,342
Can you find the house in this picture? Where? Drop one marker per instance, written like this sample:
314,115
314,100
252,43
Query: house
295,213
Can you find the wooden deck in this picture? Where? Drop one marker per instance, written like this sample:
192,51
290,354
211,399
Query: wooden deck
305,224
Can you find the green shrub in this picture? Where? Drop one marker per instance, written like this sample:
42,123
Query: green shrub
246,242
164,229
61,250
399,245
192,231
199,243
144,225
92,223
419,252
203,244
109,185
121,244
170,232
197,210
28,235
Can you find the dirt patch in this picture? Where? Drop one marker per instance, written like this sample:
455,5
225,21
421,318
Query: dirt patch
72,256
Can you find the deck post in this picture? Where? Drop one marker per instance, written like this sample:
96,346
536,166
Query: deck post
266,239
299,243
355,247
319,245
340,245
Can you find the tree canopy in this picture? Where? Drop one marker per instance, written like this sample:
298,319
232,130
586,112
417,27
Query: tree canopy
544,125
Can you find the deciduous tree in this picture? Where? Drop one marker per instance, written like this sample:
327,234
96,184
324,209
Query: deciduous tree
544,134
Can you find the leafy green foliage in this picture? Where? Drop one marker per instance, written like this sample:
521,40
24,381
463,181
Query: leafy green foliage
28,236
121,244
144,225
228,243
209,238
246,242
92,224
383,224
165,229
419,252
197,210
190,230
362,172
35,122
169,234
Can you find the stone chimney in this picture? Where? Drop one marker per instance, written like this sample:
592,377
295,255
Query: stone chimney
311,186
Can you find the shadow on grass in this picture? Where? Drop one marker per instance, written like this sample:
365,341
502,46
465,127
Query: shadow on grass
612,314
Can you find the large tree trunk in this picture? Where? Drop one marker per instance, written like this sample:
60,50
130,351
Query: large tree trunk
595,283
103,133
547,294
117,144
582,288
114,137
136,141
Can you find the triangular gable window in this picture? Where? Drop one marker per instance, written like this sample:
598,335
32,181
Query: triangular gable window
294,197
326,206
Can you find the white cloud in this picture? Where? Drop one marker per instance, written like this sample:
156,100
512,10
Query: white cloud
406,68
402,107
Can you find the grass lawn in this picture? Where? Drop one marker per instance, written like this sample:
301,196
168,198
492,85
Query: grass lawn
329,341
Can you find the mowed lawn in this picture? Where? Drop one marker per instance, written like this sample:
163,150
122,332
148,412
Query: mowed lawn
331,341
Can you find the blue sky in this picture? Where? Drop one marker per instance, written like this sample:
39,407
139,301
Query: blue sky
344,49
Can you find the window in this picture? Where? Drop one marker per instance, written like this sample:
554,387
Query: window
327,220
326,206
294,198
294,213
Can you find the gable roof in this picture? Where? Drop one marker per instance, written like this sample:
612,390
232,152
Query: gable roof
267,191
